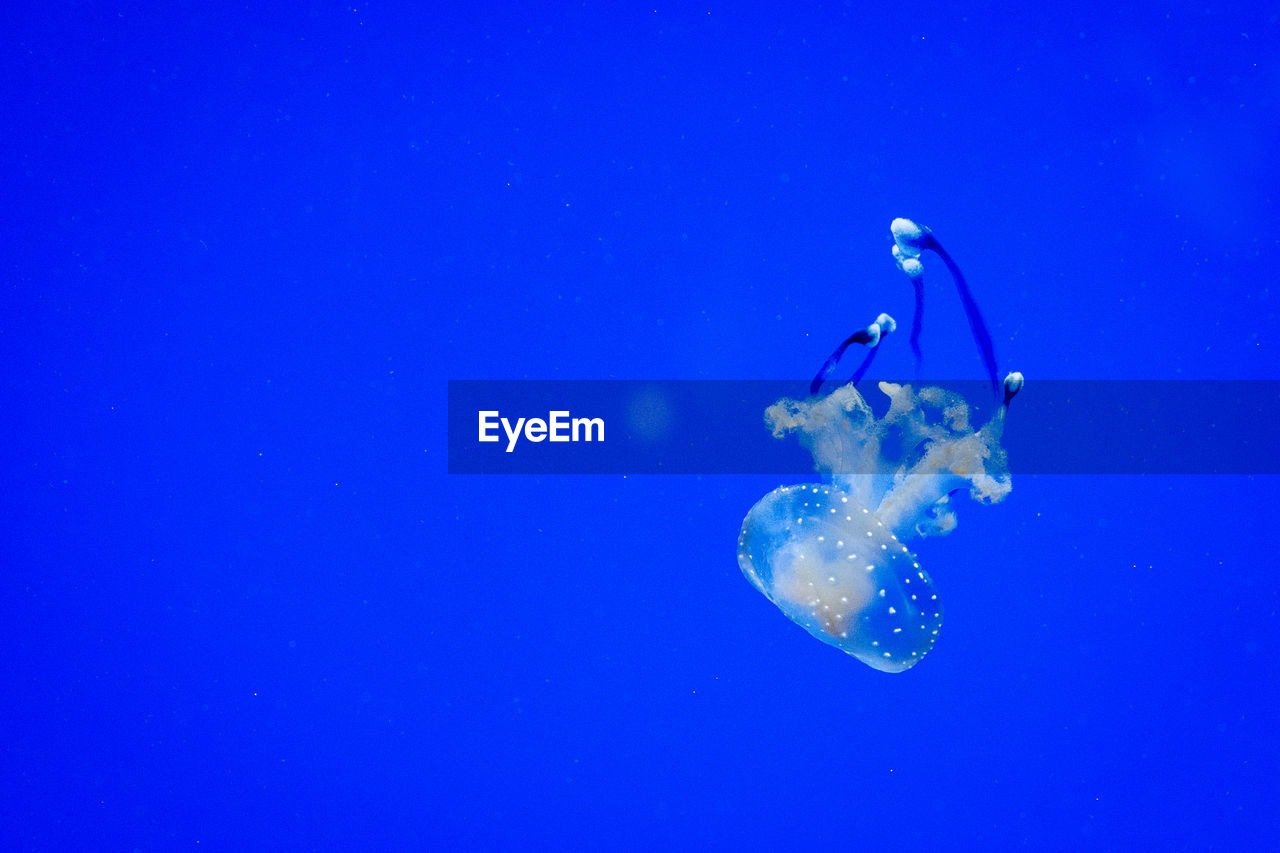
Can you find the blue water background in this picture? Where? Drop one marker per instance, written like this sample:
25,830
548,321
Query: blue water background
245,607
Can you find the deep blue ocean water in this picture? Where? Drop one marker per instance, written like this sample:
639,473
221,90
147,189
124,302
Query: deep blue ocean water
246,607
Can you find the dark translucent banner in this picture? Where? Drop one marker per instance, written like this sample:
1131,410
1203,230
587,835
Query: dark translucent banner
719,427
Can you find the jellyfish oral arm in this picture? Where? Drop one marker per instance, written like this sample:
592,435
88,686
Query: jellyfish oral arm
869,337
976,324
913,505
863,336
909,241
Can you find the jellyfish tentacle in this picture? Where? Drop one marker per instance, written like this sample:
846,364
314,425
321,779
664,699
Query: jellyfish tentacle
910,240
917,322
1012,385
906,252
862,368
861,336
887,325
976,324
869,337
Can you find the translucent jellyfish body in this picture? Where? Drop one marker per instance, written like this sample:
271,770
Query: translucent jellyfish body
832,556
838,572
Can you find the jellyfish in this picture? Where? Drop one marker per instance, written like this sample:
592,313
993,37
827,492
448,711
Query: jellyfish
832,555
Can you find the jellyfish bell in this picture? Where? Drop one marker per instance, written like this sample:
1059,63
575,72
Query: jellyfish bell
838,572
832,556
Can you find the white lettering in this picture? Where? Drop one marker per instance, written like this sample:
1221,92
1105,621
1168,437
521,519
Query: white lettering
587,424
559,426
559,423
486,425
512,434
